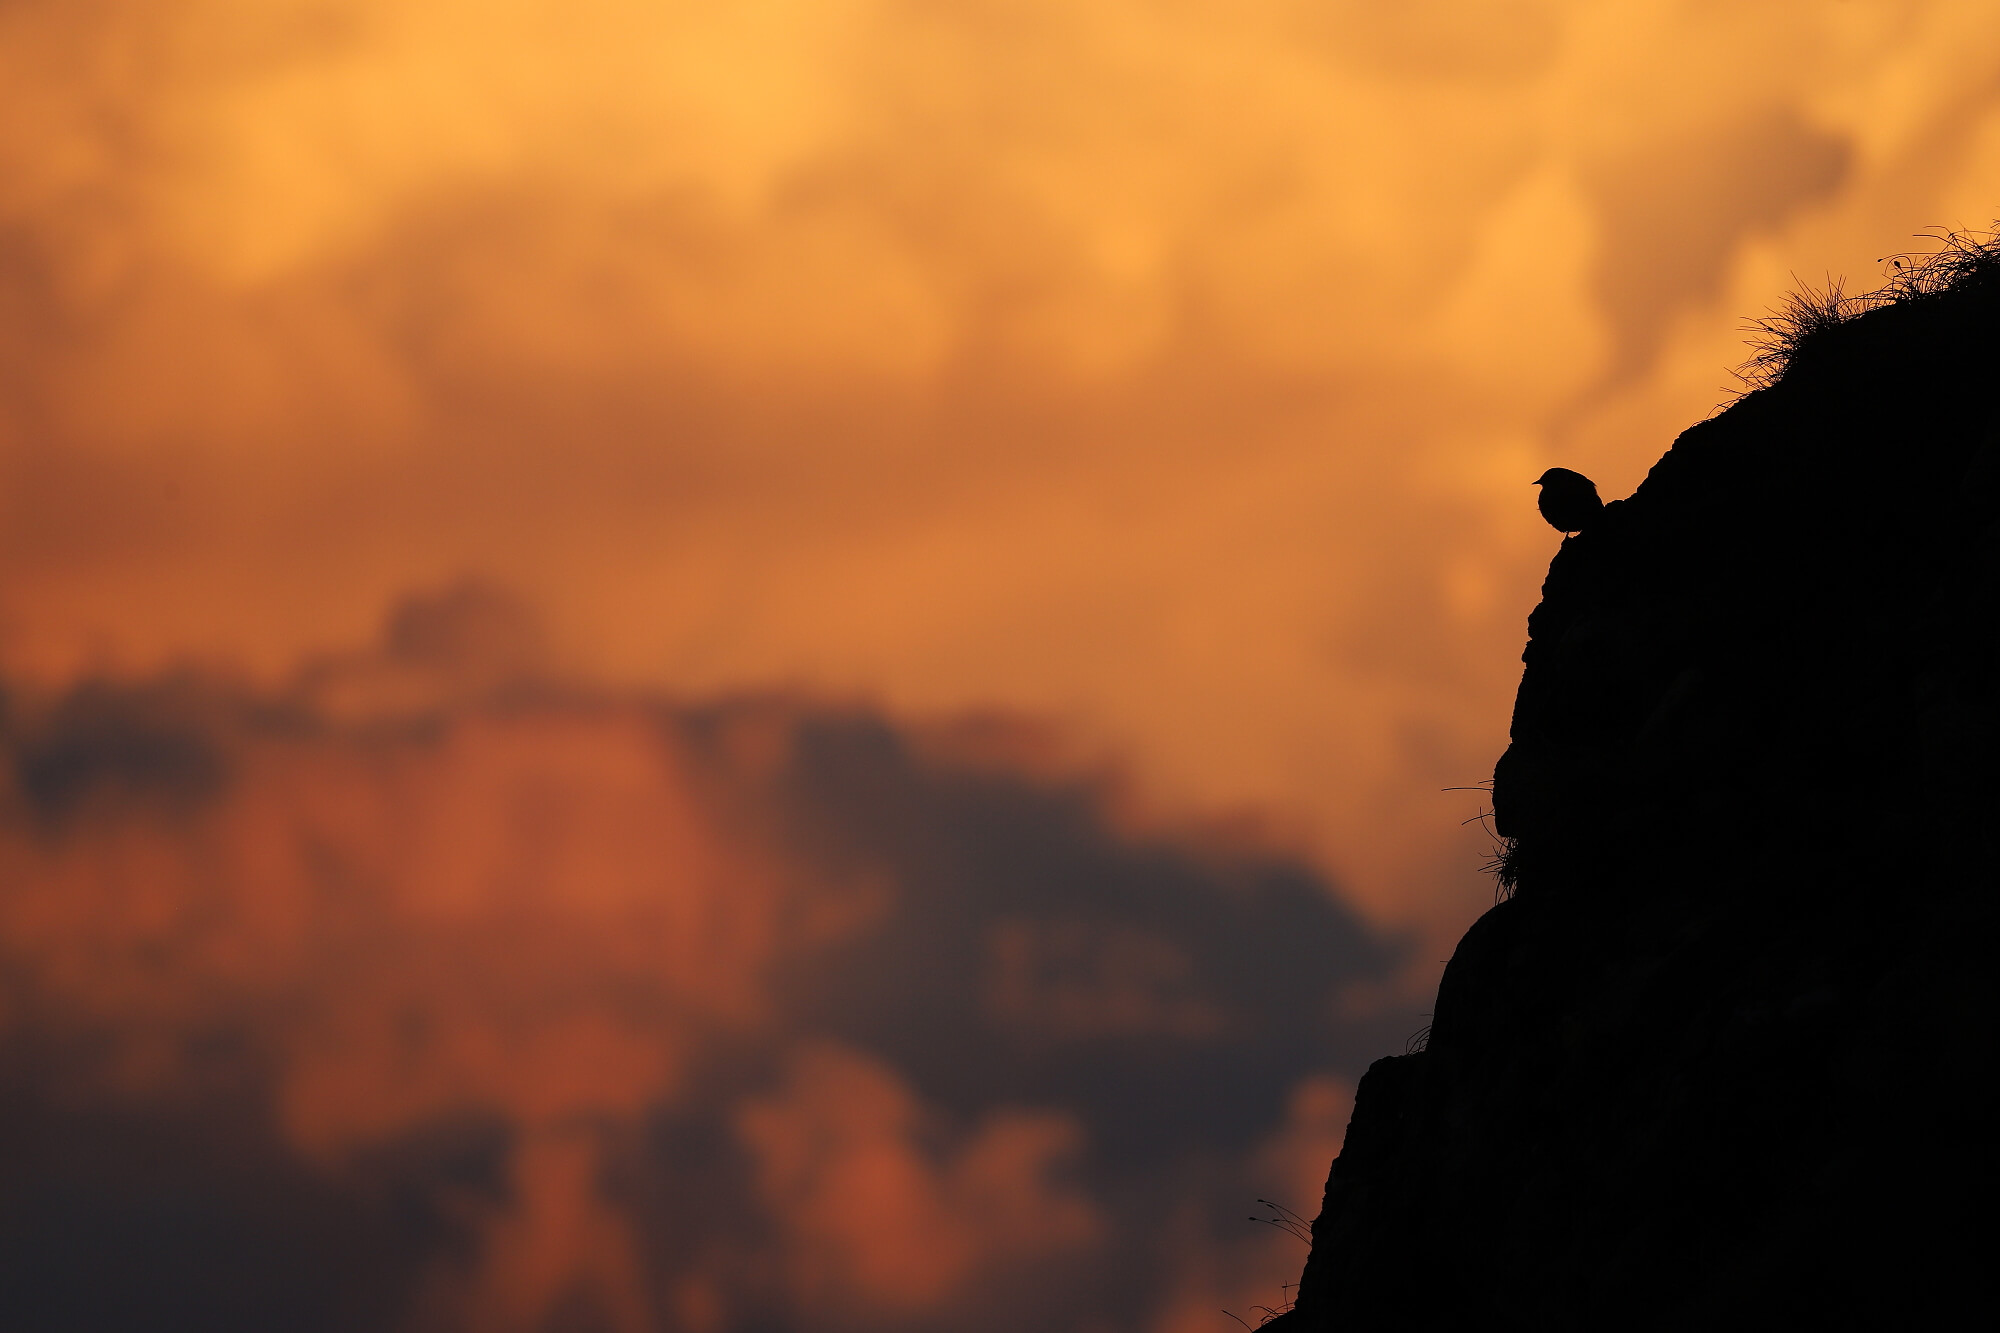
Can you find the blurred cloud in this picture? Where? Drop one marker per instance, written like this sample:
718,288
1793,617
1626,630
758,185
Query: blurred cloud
757,1013
1674,212
1171,371
875,1222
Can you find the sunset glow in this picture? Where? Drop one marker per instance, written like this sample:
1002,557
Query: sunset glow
1118,414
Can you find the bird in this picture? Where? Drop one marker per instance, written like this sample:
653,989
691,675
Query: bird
1568,500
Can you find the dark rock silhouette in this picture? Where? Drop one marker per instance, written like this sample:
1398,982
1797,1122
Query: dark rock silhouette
1568,500
1726,1056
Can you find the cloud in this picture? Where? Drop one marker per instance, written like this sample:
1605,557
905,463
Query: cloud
1675,211
657,1013
1177,372
877,1223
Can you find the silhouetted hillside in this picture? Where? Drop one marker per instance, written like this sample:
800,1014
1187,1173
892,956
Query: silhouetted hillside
1725,1057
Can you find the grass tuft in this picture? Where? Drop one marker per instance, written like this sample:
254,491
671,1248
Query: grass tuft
1788,334
1293,1225
1504,864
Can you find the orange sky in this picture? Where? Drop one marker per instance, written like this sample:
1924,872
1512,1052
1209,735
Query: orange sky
1170,374
1175,370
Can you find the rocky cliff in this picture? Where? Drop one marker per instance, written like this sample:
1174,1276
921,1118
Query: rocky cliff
1725,1056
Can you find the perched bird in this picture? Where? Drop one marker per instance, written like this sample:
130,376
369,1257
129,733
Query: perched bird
1569,500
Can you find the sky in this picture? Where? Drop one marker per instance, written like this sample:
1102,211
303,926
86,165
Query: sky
617,554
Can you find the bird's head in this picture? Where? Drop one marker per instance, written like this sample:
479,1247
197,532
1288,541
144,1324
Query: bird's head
1553,474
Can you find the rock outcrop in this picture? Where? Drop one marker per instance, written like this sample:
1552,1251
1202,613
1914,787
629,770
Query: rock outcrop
1726,1057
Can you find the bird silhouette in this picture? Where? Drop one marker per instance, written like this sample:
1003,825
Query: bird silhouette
1568,500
